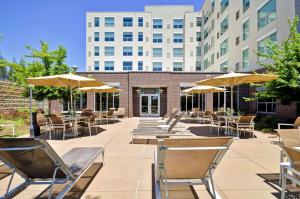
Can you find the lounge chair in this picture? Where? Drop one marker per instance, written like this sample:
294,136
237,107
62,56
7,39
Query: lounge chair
37,163
154,123
295,125
189,161
290,170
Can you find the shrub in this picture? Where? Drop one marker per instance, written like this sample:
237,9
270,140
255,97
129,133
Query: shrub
266,123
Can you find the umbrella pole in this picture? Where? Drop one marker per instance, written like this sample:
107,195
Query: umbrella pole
224,106
30,107
231,97
71,102
202,102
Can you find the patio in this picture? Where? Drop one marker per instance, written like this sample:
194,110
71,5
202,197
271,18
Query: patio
127,171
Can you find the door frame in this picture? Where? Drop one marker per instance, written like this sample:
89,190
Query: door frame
149,105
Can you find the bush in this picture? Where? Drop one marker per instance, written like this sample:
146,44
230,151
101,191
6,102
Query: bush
266,123
14,114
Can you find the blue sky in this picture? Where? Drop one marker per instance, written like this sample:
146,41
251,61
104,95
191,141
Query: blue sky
59,22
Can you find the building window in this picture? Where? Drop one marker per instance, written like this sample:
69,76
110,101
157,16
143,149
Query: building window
199,22
96,21
246,29
205,33
104,101
266,106
237,15
205,48
205,64
198,65
109,21
177,38
190,101
96,36
212,25
127,36
157,66
96,65
109,51
206,16
224,5
157,23
109,36
224,25
262,48
237,41
246,58
140,36
177,66
109,65
127,65
157,38
266,14
140,51
177,23
127,51
80,104
127,21
96,51
246,5
224,47
177,52
157,52
198,51
140,21
198,36
212,5
212,58
212,41
140,65
223,65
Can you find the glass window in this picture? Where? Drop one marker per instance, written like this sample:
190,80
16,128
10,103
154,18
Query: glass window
81,103
212,25
223,65
224,25
127,21
177,38
96,65
109,51
127,65
107,100
224,47
109,36
198,51
96,36
140,65
109,21
157,66
140,36
198,65
177,66
199,22
177,52
246,58
266,106
212,5
205,48
177,23
96,51
246,5
266,14
206,16
157,52
224,5
157,38
109,65
262,45
212,41
96,21
140,21
205,65
157,23
127,36
140,51
205,33
127,51
212,59
198,36
246,29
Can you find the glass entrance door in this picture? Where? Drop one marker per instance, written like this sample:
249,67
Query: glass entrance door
149,104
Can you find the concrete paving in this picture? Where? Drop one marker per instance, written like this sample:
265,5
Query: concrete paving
127,172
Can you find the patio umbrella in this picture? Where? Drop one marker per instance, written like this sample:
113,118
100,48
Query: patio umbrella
203,89
232,78
70,81
100,89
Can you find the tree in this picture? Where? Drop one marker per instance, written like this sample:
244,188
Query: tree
285,62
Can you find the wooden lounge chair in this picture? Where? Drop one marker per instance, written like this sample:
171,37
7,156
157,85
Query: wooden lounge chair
146,123
291,169
189,161
37,163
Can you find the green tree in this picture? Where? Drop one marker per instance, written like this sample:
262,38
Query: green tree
285,62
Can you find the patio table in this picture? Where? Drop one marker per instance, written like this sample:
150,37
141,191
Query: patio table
9,125
228,118
75,120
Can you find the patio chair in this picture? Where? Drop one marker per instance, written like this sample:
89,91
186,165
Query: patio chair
206,116
120,112
290,170
150,123
89,123
295,125
42,122
244,123
189,161
57,124
215,120
109,115
37,163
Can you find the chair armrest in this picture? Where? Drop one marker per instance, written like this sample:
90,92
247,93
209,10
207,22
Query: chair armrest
284,124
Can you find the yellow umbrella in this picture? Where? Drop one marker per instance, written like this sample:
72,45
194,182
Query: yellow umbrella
233,78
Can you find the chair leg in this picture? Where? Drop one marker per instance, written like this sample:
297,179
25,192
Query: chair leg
64,131
90,129
283,187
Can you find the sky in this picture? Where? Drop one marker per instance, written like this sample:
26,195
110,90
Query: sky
59,22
